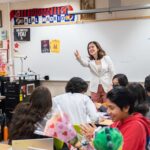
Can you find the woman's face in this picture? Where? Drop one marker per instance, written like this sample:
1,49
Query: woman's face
92,49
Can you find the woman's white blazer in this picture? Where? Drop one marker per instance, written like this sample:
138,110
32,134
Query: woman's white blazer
103,77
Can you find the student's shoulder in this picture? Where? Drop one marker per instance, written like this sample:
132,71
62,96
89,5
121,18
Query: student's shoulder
57,97
135,126
87,98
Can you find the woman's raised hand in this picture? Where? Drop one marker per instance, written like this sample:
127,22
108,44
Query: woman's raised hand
77,54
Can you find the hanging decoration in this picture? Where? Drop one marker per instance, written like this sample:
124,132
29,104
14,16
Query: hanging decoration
42,15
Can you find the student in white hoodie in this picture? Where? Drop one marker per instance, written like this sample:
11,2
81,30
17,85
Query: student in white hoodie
101,68
78,106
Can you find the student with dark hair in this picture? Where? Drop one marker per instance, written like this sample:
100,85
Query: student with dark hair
138,91
134,127
120,79
147,88
30,118
76,85
75,103
101,68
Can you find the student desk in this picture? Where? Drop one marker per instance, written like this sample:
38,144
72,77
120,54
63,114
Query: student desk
5,147
106,122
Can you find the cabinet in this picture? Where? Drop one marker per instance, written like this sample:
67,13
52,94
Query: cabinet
2,81
15,92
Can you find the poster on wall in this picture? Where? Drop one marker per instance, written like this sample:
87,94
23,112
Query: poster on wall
3,62
3,34
45,48
43,15
55,46
22,34
4,44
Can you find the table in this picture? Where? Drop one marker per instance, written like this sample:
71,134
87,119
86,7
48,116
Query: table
106,122
5,147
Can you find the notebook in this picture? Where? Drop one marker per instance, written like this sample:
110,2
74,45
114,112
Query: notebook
33,144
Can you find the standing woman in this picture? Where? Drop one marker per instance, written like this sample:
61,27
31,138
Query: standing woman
101,68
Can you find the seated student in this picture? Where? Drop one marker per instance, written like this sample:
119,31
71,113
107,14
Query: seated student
78,106
134,127
147,89
120,79
31,117
138,91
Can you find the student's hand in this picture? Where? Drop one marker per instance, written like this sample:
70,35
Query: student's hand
77,54
88,130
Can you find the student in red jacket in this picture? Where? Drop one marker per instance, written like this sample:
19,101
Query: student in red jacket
134,127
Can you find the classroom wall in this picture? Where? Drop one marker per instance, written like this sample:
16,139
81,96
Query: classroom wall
5,15
57,87
123,14
76,5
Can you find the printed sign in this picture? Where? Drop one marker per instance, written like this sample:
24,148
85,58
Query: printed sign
55,46
3,62
22,34
3,34
45,46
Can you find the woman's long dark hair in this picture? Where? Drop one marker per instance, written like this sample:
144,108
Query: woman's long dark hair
100,52
26,115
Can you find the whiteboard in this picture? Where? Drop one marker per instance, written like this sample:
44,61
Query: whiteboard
126,42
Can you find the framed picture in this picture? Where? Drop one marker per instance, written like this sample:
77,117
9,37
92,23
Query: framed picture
30,88
22,34
0,18
85,5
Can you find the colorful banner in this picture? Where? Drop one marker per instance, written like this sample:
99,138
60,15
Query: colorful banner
42,15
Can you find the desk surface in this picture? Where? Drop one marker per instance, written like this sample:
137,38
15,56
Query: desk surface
106,122
4,147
